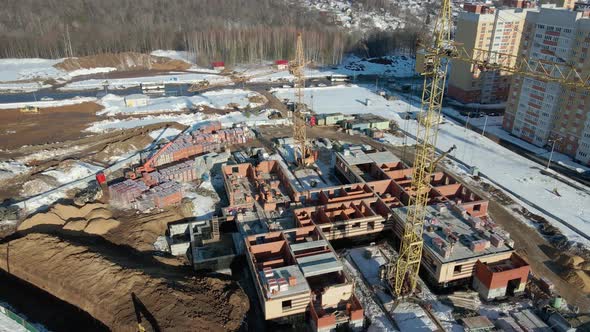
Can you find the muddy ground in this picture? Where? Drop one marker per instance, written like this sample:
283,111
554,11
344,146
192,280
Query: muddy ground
120,287
51,124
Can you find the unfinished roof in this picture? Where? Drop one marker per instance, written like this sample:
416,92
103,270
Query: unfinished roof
357,157
319,264
440,223
300,285
309,245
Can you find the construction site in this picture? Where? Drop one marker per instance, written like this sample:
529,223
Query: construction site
288,217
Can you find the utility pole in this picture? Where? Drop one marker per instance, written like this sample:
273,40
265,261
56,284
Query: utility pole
483,133
551,154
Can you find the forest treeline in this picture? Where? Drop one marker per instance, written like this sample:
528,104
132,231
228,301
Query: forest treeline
236,31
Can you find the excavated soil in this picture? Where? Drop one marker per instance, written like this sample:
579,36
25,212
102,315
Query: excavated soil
51,124
116,287
124,62
92,218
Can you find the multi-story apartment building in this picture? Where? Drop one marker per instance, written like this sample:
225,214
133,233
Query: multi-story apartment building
543,112
495,29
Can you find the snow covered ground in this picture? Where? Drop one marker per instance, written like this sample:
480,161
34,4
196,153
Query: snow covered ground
48,103
124,83
493,125
183,56
203,205
259,119
352,17
394,65
11,168
507,168
73,171
12,70
220,99
26,75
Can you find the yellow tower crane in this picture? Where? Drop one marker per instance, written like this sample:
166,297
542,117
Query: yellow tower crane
403,274
297,68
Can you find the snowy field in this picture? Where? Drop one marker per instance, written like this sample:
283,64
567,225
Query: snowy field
48,103
509,169
220,99
493,125
259,119
20,74
124,83
395,65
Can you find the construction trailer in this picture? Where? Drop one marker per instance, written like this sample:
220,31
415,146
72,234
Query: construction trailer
365,122
136,100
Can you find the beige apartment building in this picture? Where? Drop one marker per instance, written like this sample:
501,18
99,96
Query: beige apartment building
495,29
541,112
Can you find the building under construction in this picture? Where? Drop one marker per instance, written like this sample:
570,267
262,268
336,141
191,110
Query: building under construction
156,183
286,227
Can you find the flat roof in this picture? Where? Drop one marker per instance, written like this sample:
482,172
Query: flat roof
309,245
358,157
136,96
458,225
301,285
319,264
308,179
221,248
477,323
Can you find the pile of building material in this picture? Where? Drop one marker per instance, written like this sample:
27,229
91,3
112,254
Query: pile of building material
210,138
464,300
183,172
124,193
160,196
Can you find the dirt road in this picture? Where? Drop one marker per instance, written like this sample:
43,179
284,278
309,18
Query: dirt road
51,124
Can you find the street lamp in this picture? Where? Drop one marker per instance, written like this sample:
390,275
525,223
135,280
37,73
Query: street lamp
483,133
552,148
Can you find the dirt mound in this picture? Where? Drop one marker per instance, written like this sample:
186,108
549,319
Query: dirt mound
49,218
98,212
123,61
76,225
92,218
570,261
578,278
122,147
36,186
141,231
101,226
114,288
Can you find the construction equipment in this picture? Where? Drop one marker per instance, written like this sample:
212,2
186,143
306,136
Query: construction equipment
302,153
29,109
149,166
434,59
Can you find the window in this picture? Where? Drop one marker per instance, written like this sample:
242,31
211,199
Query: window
356,225
457,269
286,305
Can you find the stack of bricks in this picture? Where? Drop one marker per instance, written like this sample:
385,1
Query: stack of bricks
161,196
210,138
479,245
124,193
183,172
441,247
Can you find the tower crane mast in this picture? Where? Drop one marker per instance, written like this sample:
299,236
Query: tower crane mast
405,271
403,274
297,68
